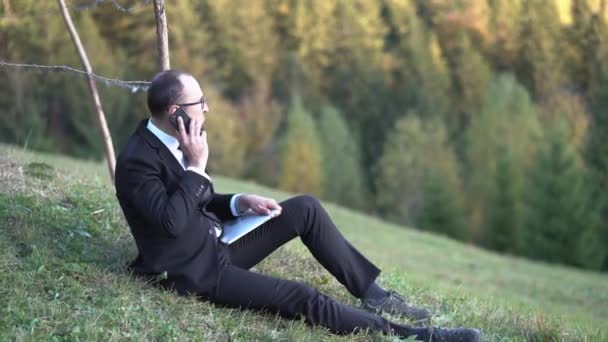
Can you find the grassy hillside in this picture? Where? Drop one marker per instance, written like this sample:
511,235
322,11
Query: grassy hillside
64,245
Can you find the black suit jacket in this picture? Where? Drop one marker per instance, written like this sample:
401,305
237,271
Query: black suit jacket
172,214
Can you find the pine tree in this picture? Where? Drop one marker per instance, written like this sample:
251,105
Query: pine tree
53,111
507,119
343,179
540,67
471,76
557,202
354,79
309,32
441,211
596,157
502,227
503,25
413,149
417,63
586,45
301,168
188,46
136,36
242,44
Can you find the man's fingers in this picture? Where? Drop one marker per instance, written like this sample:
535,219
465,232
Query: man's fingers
262,209
277,207
272,205
263,206
193,124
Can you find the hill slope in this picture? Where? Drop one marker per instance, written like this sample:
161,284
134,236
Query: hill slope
64,244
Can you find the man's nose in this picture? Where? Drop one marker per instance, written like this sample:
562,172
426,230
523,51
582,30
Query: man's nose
205,108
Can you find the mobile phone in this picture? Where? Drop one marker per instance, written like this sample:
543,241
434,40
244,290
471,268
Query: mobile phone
180,113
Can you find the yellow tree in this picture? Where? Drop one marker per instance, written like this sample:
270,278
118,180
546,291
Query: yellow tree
301,169
415,58
187,45
314,32
540,64
502,26
227,148
243,47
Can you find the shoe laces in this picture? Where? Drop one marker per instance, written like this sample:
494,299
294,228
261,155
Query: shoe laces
397,295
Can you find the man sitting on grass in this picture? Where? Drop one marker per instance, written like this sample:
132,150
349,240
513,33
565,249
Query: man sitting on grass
176,216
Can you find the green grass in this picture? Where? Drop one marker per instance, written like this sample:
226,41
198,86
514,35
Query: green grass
64,245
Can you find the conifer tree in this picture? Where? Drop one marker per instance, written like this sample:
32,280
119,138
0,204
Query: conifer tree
558,212
189,46
343,179
507,119
596,157
413,149
587,45
501,231
132,35
540,67
52,111
242,44
301,169
471,76
354,80
441,211
417,62
503,25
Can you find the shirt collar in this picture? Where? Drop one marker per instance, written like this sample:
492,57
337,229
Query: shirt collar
171,142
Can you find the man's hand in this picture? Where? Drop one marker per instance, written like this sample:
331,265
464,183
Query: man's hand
193,144
259,205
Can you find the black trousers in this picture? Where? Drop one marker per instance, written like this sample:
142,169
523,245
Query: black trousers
302,216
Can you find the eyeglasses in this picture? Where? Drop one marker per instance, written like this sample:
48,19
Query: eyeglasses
201,102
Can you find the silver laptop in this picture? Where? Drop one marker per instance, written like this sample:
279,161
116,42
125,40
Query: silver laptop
240,226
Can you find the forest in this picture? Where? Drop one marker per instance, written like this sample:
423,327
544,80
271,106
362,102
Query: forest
483,120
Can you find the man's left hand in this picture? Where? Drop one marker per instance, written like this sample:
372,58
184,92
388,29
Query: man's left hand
259,205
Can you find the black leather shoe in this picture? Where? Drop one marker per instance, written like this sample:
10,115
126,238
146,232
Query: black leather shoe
395,304
432,334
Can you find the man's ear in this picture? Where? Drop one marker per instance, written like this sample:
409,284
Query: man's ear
171,109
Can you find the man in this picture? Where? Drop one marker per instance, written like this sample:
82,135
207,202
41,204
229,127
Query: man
175,216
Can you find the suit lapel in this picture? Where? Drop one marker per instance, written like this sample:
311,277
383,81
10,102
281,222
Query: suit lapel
163,152
169,159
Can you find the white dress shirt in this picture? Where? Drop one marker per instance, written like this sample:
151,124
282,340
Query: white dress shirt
173,145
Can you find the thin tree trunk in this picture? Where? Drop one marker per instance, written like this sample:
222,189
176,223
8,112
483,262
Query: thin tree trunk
162,35
8,12
107,138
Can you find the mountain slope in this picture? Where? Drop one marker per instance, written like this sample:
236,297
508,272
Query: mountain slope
64,244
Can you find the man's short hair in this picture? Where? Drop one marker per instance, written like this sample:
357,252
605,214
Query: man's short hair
165,90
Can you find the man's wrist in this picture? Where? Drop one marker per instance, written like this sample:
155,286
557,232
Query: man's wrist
241,204
234,207
197,165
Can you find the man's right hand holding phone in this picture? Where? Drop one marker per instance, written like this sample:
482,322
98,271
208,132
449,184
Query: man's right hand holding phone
193,143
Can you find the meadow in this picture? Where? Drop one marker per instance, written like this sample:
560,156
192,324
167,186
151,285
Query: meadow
64,247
